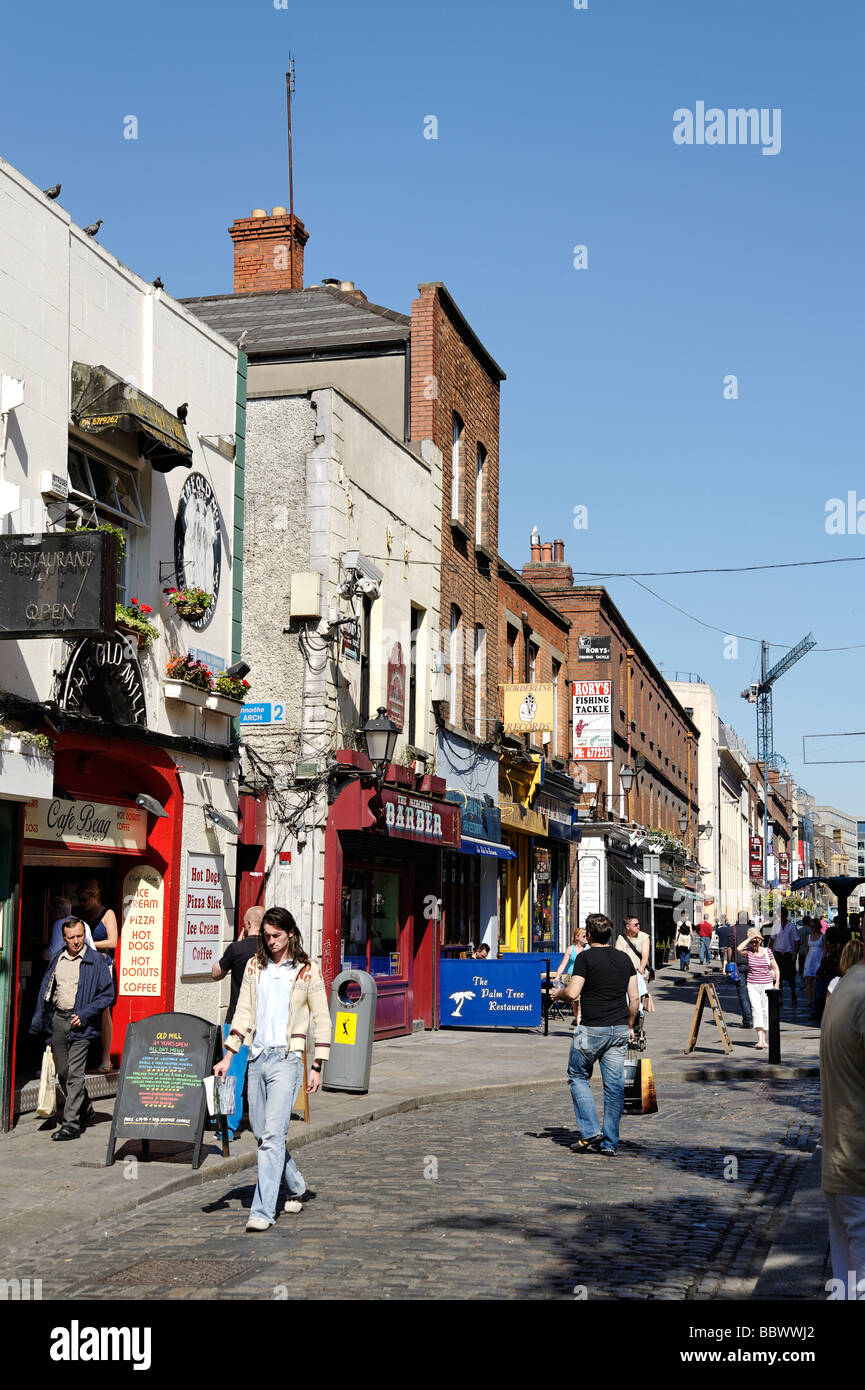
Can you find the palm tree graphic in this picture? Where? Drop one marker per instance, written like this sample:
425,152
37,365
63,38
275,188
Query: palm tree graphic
459,999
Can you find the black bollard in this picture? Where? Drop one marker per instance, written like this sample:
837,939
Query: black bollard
774,998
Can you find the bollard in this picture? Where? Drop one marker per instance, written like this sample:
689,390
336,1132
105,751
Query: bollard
774,998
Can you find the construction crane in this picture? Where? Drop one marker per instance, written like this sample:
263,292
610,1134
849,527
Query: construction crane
760,693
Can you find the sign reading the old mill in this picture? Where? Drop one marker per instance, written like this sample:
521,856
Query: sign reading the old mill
58,584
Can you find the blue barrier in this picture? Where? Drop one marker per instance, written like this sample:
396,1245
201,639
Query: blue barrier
502,993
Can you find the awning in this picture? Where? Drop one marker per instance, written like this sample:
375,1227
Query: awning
103,401
488,848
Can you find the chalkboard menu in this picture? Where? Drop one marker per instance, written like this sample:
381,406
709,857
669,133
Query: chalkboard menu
159,1092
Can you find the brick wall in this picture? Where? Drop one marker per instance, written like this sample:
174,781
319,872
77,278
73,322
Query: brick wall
451,372
263,252
550,635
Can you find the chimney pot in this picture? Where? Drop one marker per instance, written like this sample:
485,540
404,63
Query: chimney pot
258,212
547,549
536,546
559,551
279,212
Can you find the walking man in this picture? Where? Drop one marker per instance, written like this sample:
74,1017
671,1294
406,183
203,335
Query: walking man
786,948
842,1083
281,988
605,982
704,932
75,989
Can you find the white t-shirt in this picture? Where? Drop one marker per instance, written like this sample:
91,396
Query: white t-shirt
274,1000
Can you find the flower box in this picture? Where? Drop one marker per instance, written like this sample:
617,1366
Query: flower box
141,637
402,776
223,705
351,757
184,692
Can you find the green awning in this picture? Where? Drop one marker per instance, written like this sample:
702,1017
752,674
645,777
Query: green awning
103,401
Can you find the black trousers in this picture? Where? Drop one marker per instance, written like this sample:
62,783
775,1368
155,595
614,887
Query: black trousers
787,970
70,1059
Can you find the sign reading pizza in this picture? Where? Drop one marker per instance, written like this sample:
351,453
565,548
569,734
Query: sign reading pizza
593,720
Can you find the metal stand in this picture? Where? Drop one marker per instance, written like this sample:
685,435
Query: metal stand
774,998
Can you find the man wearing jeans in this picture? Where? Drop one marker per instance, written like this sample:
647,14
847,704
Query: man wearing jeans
605,982
704,932
842,1083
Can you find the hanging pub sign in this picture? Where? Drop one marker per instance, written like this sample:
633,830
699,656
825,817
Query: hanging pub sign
593,648
593,720
103,681
58,585
528,709
783,866
198,541
756,858
414,818
396,687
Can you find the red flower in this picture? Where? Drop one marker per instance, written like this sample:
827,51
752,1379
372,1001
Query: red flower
134,601
145,607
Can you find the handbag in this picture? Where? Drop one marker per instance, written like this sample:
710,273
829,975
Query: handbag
732,969
650,974
46,1104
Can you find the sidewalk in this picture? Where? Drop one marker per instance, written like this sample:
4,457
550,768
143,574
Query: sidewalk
40,1179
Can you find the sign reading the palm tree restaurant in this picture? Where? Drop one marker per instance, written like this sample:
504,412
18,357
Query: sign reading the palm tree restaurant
58,585
490,993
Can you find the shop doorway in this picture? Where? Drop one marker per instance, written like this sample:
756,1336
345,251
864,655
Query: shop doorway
43,886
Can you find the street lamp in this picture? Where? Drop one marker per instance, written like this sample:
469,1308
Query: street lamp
626,781
683,822
380,735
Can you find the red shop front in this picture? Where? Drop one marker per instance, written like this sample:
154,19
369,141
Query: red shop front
92,831
382,887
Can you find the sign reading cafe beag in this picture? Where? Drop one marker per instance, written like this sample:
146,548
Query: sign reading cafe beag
63,583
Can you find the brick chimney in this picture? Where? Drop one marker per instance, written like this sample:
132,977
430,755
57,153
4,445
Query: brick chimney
263,251
547,569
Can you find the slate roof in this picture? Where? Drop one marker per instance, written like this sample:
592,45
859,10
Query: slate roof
301,322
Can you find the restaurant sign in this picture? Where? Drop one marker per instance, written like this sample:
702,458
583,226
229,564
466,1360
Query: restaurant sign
58,585
415,818
86,825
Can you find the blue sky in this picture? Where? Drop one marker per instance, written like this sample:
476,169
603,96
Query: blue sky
555,129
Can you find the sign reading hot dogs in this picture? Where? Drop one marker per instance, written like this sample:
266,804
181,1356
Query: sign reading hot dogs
205,902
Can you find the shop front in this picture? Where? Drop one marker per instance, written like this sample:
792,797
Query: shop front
382,900
470,879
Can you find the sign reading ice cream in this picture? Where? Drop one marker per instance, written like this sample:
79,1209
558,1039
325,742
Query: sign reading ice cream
139,956
205,902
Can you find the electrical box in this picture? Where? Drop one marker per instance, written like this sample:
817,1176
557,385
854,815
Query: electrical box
306,595
305,771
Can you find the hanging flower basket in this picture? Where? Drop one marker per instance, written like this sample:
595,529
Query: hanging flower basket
134,619
189,604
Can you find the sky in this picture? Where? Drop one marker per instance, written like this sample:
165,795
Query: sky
555,130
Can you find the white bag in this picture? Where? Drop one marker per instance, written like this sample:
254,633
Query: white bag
220,1096
47,1102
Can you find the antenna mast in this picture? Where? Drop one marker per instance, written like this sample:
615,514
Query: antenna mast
289,89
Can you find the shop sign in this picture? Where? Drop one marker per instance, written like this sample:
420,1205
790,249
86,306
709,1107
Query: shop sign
560,817
593,720
414,818
63,584
198,541
478,820
593,648
589,885
489,994
202,923
139,955
783,866
528,709
104,682
756,857
517,817
395,706
350,640
159,1090
85,825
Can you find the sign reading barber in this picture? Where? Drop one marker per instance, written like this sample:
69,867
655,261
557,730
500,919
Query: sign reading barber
58,584
414,818
198,541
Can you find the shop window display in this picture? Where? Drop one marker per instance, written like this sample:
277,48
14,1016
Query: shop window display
370,922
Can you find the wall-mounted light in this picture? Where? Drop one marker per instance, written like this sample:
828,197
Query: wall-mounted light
151,805
217,818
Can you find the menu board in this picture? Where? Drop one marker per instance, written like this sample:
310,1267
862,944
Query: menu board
202,922
159,1091
139,957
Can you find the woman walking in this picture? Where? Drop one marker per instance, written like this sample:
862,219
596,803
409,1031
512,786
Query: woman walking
682,943
102,922
281,988
762,972
813,958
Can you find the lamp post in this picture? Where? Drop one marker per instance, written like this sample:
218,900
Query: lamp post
626,781
380,735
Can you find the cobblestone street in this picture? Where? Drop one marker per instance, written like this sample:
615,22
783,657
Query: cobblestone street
686,1210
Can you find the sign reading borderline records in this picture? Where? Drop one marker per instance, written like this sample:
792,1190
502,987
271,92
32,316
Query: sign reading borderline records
86,825
202,920
593,720
490,994
262,712
527,709
159,1090
139,955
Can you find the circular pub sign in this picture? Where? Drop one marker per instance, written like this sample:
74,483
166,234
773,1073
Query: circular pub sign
103,681
198,541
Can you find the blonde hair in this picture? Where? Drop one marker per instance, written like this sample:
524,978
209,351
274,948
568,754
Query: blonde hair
850,956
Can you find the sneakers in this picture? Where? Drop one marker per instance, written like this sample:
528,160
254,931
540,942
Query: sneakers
296,1204
257,1223
587,1146
608,1153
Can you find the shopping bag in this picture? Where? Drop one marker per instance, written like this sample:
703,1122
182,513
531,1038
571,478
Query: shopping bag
648,1095
731,970
47,1102
220,1096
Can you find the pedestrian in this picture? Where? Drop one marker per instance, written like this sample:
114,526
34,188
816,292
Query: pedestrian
763,973
481,952
739,972
566,967
813,957
281,989
828,969
842,1085
59,911
102,922
704,932
786,948
682,943
234,960
850,956
75,989
635,944
605,982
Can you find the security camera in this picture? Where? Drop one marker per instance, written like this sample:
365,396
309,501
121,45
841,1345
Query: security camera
357,561
370,588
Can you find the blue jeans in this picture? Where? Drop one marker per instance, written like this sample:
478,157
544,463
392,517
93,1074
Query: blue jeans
744,1001
238,1071
607,1046
705,950
275,1077
684,958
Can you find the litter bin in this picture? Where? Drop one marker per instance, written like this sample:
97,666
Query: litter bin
352,1014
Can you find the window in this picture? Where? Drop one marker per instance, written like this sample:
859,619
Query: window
512,653
480,497
371,926
457,469
533,662
101,490
455,683
480,679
